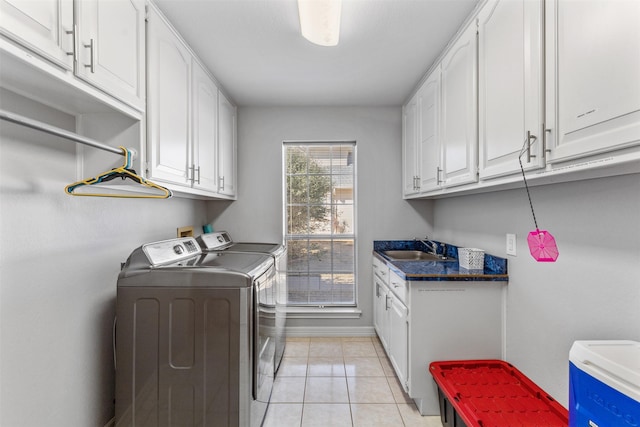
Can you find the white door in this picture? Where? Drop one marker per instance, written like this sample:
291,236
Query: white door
459,111
168,103
44,26
510,86
430,157
111,47
205,114
410,147
595,54
226,146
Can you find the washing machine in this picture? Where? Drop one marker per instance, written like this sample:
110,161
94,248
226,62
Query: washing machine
193,341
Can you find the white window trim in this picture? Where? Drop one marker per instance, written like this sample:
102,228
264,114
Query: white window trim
310,312
336,311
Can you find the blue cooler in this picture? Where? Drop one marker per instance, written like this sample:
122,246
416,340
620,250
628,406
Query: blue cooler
604,384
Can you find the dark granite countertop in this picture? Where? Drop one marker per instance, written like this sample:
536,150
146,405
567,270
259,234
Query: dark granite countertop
495,268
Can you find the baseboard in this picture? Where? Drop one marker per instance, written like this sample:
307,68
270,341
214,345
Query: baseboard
330,331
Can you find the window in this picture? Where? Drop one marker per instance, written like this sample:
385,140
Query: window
320,223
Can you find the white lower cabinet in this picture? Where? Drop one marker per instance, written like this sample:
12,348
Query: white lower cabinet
419,322
399,339
380,294
381,311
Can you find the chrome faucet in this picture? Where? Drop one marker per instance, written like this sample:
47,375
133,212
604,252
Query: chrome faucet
432,247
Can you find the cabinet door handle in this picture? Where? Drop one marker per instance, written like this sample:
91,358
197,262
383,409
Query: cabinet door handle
438,171
545,149
92,52
388,303
377,290
198,170
529,142
74,42
220,183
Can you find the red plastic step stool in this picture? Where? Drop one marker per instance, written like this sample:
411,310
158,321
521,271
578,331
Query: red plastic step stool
492,393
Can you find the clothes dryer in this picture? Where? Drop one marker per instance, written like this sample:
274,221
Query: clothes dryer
222,241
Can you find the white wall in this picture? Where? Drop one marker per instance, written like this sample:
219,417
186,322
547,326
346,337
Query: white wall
59,261
591,292
381,212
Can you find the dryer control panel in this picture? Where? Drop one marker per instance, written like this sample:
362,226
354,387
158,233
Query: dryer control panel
215,241
171,251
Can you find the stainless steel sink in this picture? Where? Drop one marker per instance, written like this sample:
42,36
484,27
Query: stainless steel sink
415,256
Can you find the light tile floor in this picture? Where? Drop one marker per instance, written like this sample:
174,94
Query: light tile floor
340,382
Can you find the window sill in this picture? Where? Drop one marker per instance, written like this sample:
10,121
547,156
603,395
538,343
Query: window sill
323,313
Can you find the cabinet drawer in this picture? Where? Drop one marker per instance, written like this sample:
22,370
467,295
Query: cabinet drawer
381,270
398,286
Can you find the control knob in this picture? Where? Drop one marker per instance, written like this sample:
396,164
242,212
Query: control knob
178,249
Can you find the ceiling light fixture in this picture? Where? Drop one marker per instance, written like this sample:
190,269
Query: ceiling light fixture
320,21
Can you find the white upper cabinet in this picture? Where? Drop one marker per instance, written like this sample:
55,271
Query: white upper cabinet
111,47
45,27
191,125
410,152
459,118
226,147
510,86
103,45
429,160
593,80
168,106
421,156
205,130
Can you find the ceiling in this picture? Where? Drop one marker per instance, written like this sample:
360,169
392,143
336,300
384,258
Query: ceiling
255,50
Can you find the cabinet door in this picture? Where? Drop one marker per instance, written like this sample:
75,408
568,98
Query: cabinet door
111,47
380,311
429,109
399,340
45,27
168,106
226,146
510,87
205,131
459,111
410,174
593,52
